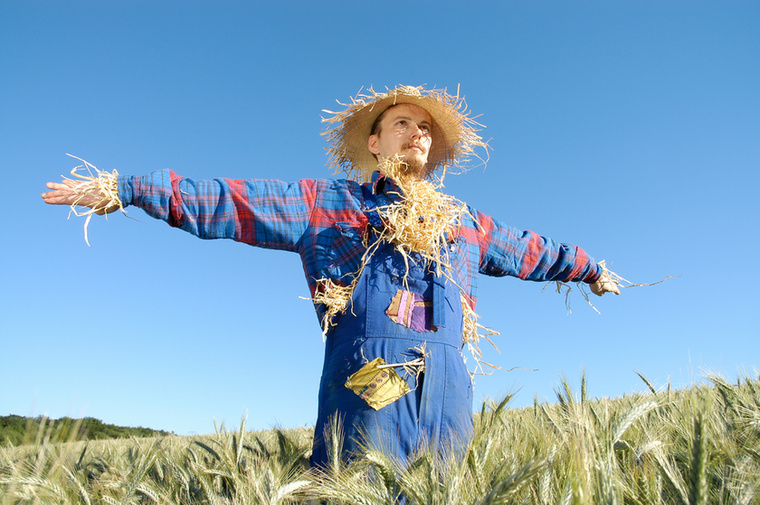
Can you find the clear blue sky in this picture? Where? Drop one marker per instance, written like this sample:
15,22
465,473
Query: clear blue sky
630,128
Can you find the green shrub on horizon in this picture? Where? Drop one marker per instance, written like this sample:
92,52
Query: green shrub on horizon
17,430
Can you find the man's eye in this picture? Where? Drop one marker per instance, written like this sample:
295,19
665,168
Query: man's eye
425,128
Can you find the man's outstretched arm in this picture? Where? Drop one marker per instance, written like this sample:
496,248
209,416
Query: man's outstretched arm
505,250
261,212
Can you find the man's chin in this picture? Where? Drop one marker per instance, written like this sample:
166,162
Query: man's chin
415,166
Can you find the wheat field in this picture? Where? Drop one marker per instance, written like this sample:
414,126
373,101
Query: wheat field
695,446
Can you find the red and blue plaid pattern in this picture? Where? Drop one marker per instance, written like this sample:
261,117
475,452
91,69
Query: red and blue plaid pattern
325,222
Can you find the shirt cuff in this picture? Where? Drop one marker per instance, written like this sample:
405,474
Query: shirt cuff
125,189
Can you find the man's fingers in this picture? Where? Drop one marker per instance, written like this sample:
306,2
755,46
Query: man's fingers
63,193
56,186
65,185
604,286
59,188
609,287
57,199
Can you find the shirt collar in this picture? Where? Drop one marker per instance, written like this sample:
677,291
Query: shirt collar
385,185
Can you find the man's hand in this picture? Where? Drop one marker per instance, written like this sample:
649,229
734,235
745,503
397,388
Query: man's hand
604,285
69,193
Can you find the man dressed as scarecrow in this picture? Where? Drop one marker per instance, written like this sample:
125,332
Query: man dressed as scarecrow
390,260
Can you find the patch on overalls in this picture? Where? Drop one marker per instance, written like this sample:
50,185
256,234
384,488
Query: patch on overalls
377,386
411,310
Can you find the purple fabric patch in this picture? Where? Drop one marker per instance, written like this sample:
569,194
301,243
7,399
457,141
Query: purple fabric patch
411,310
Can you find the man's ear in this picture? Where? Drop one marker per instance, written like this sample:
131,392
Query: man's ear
372,145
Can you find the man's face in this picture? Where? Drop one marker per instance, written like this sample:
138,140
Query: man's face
404,131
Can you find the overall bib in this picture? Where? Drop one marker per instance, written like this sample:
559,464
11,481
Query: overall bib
436,414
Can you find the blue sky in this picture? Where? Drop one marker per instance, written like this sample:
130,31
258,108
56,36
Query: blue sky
630,128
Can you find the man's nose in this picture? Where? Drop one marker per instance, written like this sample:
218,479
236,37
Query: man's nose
416,132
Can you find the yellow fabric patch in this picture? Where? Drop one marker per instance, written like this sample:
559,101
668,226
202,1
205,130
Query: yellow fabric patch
377,386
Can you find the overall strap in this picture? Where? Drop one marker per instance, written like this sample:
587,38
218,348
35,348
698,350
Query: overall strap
371,202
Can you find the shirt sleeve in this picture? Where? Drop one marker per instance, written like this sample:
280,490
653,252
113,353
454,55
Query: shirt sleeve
262,212
506,250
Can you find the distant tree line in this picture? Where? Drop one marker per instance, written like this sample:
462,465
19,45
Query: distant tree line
17,430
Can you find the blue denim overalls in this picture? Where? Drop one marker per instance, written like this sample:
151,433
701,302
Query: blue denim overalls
437,412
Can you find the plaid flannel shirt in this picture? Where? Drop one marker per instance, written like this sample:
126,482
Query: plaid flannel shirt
325,220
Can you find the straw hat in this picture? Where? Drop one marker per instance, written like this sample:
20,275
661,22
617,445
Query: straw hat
454,132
